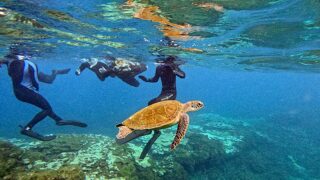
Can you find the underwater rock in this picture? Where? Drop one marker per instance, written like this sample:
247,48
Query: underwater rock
16,25
10,159
96,156
174,22
199,153
245,5
276,35
63,173
213,147
59,15
174,12
225,130
29,28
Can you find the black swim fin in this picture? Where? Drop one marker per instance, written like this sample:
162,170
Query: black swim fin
72,123
37,136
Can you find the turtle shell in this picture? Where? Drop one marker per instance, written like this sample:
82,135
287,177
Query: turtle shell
156,116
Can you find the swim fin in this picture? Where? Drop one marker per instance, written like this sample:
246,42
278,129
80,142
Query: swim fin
37,136
72,123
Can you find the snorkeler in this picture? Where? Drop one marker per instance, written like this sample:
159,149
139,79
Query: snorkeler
25,79
167,71
124,69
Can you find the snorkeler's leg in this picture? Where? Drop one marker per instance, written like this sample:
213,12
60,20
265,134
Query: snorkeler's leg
131,81
167,96
155,100
135,134
148,146
26,95
46,78
61,71
42,103
162,97
31,97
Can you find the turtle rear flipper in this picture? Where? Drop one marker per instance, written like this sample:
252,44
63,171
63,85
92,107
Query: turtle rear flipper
123,132
133,135
181,131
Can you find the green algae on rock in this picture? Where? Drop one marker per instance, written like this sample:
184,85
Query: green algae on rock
10,159
215,147
63,173
32,29
97,156
276,35
245,5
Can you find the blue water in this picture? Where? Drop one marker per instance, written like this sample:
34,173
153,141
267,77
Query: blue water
102,104
261,63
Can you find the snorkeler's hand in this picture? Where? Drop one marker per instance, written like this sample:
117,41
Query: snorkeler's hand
78,72
102,70
143,78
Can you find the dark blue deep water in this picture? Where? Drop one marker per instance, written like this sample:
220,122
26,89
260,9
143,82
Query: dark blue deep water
255,62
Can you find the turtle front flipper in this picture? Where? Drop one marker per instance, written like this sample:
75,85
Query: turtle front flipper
181,131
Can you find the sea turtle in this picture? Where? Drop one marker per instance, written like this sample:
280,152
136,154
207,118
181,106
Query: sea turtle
159,116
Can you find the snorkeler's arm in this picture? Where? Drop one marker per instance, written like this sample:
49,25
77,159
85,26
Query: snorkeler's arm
179,72
3,61
104,71
82,67
155,78
15,71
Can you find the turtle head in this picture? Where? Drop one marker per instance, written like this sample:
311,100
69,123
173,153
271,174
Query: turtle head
194,105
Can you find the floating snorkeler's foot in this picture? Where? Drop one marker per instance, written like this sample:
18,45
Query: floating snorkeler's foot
62,71
71,123
37,136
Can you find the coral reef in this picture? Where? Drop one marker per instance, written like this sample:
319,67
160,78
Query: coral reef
267,35
10,159
215,147
64,173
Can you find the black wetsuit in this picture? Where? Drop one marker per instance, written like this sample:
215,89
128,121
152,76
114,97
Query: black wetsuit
95,69
167,73
25,80
110,70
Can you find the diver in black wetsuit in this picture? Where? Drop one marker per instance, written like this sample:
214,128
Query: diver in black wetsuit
25,79
123,69
167,72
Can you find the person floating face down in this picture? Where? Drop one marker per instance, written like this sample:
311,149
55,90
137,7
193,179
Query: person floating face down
167,71
25,79
124,69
